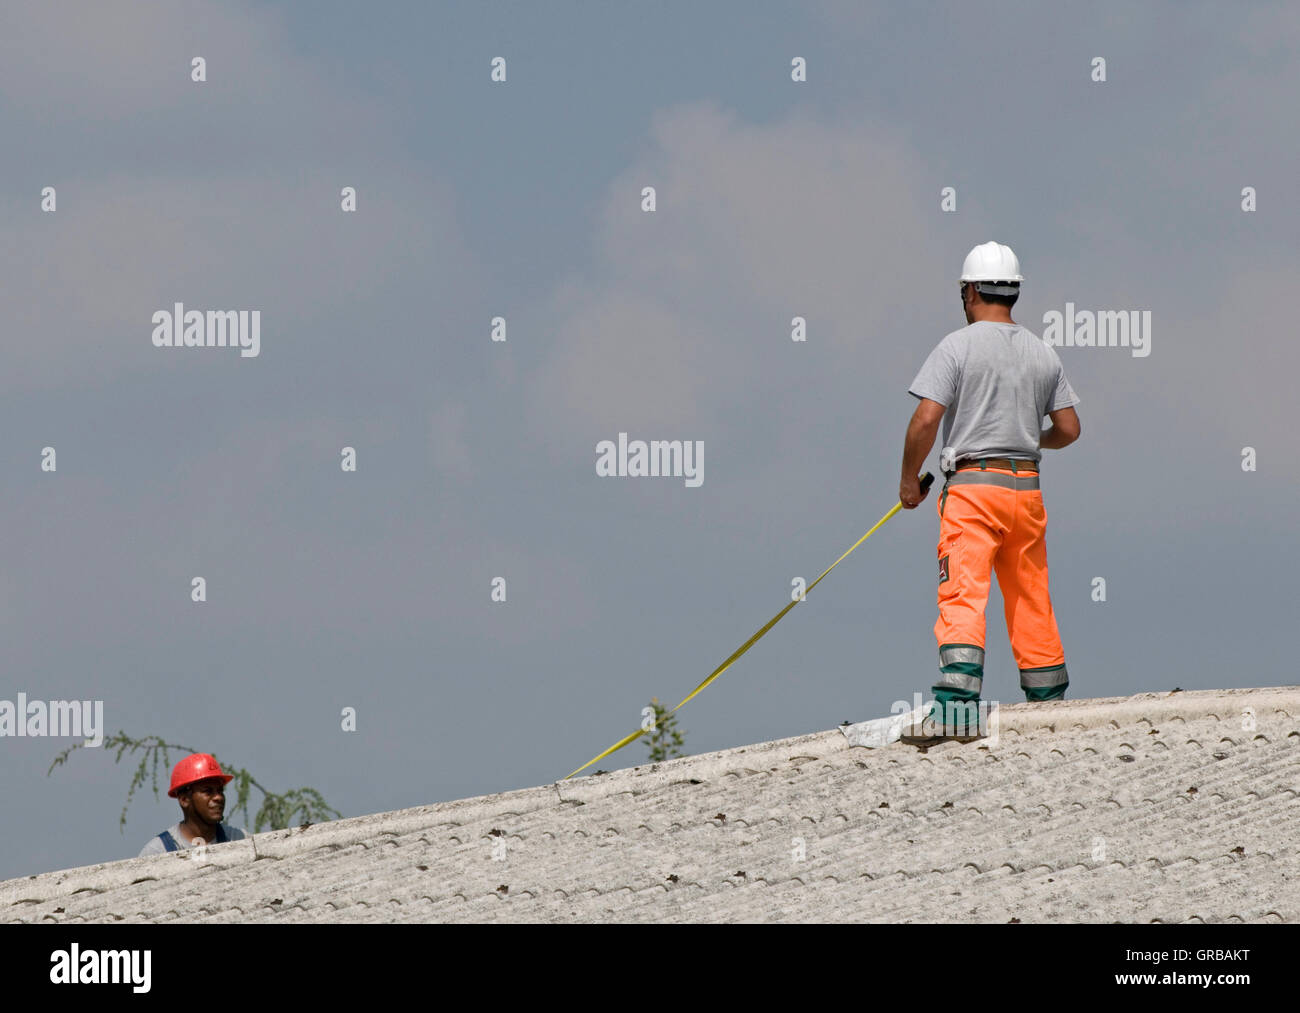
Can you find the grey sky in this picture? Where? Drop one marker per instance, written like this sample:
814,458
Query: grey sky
476,459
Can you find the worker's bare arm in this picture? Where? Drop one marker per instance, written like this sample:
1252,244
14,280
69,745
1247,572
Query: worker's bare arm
921,431
1064,431
929,413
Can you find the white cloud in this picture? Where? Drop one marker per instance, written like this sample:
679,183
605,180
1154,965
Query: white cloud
688,318
66,62
82,283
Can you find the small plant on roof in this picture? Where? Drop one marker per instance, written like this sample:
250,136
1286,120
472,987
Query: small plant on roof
664,739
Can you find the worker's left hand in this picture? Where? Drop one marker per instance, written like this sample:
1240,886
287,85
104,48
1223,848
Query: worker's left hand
909,492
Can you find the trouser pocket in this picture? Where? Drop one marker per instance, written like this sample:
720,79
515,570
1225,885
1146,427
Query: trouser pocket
949,554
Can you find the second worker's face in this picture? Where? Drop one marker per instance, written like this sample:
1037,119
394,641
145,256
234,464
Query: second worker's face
208,800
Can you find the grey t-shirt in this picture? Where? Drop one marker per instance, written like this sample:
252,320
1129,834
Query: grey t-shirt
156,847
998,381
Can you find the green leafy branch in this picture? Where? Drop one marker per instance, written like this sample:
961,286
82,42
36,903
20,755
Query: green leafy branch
277,811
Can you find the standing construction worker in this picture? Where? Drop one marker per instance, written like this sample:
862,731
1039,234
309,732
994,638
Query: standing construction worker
199,785
990,383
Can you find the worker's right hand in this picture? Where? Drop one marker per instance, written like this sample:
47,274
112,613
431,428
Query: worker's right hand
909,492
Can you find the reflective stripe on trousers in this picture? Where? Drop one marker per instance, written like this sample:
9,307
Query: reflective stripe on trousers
1044,678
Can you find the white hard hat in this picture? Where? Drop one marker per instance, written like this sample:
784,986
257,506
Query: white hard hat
993,262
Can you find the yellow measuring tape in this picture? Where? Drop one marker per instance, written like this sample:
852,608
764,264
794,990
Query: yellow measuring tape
926,480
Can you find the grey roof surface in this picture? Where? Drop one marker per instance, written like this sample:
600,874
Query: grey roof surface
1156,807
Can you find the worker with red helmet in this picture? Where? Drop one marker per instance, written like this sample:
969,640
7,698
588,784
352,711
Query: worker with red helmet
199,785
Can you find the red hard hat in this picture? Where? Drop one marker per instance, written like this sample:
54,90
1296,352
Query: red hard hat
196,767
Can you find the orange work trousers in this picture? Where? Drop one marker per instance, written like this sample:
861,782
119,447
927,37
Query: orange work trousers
994,519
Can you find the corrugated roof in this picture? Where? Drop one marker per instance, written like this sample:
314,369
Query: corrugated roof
1157,807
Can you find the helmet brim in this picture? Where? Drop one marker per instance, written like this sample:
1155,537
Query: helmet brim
224,778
